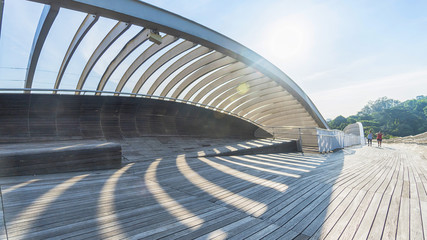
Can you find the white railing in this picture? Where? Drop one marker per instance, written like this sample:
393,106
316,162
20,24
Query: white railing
321,140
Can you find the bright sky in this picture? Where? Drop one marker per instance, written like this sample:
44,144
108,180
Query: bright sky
341,53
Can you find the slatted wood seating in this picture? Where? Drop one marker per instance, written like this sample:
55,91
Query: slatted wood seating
56,157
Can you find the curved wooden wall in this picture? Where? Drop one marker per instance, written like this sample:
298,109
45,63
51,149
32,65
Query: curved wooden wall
34,117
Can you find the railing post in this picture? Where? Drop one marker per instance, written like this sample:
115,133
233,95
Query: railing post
299,145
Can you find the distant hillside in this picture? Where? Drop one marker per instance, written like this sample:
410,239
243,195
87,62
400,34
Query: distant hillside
394,118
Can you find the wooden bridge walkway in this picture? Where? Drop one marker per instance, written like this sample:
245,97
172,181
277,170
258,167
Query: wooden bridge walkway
356,193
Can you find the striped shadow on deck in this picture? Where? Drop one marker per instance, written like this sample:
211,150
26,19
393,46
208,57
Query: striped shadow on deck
352,194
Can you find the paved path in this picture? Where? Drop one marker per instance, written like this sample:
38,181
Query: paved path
356,193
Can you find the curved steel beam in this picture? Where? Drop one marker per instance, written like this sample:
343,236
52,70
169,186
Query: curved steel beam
242,73
149,52
266,104
84,28
240,104
143,14
254,110
219,93
200,73
1,14
225,91
213,77
191,68
109,39
291,120
234,93
200,51
278,106
45,23
280,122
253,103
130,46
286,99
275,112
175,51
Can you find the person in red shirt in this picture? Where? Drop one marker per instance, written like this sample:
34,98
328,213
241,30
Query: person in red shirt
379,138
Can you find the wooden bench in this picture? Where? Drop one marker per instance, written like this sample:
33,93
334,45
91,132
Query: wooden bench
58,157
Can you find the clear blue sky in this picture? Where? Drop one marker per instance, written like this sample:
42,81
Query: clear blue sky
341,53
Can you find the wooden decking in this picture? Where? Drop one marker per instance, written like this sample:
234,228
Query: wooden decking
357,193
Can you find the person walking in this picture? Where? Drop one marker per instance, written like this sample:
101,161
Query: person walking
379,138
370,136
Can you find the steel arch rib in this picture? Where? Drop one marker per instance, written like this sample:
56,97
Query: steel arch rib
240,103
142,14
222,89
191,68
111,37
230,92
1,14
252,112
283,106
84,28
130,46
265,103
289,116
200,73
245,72
255,90
252,103
45,23
213,77
149,52
275,111
233,94
200,51
175,51
294,118
295,123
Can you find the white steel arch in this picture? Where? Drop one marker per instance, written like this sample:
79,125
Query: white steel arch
200,66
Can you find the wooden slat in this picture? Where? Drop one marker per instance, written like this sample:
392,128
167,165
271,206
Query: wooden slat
356,193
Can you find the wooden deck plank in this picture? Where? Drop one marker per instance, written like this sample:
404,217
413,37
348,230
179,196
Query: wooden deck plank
354,223
341,224
391,223
365,226
382,212
334,216
423,206
244,234
315,224
3,233
352,194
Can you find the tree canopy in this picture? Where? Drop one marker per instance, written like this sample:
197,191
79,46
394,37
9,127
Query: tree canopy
390,116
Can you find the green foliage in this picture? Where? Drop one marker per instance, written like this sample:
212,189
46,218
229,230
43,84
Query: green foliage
392,117
379,105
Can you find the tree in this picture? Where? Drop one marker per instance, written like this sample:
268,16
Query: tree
339,122
393,117
378,105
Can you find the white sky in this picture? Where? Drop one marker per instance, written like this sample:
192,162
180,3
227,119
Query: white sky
341,53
